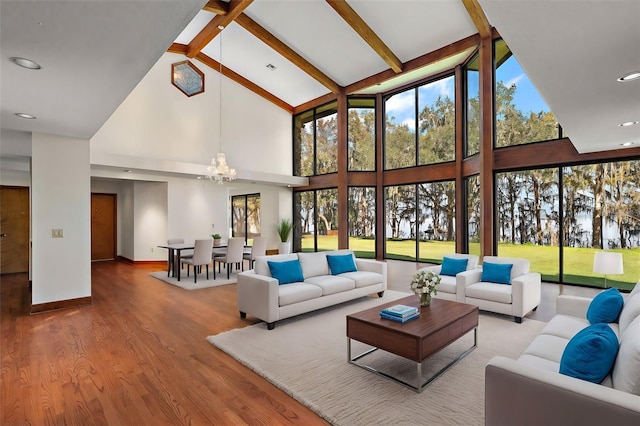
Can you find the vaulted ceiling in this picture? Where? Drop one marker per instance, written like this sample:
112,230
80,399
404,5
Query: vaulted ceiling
93,53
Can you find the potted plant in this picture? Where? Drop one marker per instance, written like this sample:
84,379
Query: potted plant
284,229
216,239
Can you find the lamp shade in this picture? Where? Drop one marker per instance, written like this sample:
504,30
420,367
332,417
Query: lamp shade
608,262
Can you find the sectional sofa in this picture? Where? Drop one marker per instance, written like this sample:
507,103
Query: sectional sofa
532,391
317,284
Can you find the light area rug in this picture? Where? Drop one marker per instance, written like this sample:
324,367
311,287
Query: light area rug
188,284
306,356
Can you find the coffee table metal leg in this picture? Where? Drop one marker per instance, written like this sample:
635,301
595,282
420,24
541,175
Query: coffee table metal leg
419,385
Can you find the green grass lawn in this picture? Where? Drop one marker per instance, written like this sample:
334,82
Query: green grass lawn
578,262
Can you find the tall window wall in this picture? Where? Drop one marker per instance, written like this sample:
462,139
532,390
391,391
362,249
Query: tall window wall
557,217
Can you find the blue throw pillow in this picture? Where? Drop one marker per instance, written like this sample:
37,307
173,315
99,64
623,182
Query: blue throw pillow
605,307
286,272
339,264
496,272
590,354
452,266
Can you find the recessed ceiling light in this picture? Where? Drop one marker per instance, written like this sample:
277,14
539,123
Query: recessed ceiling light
127,171
25,63
628,123
25,115
630,76
198,177
627,144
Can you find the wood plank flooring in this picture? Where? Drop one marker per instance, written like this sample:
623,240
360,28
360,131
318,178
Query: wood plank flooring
137,356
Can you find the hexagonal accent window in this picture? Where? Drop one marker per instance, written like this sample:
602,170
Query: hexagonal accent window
187,77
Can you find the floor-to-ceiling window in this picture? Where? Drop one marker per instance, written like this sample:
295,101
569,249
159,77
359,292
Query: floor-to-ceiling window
537,209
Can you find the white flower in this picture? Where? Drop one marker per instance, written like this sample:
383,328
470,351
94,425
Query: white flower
425,283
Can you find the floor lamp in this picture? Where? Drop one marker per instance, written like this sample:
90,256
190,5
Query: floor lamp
607,262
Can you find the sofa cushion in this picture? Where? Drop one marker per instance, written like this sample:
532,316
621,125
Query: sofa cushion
262,268
453,267
313,264
590,354
331,284
297,292
490,291
339,264
626,371
564,326
499,273
286,272
605,307
363,278
630,311
547,346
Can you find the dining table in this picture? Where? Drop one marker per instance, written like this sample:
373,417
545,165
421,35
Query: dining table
174,251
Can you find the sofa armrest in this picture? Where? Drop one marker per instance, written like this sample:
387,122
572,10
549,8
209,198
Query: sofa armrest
516,393
466,278
526,291
372,265
575,306
258,296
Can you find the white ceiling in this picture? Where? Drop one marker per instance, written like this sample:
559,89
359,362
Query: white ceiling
93,54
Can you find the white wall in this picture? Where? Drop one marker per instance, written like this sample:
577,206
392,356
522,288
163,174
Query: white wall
150,219
158,121
60,199
127,230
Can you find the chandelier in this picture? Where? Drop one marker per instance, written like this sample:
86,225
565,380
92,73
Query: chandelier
219,170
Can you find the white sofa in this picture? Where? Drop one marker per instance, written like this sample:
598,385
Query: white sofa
261,295
531,391
448,288
517,299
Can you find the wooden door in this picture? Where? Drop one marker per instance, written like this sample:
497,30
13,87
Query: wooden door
14,229
103,226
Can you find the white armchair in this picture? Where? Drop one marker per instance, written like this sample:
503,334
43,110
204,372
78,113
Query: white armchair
518,298
447,289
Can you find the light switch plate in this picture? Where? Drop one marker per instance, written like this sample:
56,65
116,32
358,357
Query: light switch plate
57,233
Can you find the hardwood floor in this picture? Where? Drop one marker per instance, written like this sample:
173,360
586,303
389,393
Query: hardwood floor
137,356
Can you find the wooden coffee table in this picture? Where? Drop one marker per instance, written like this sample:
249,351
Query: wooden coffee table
439,325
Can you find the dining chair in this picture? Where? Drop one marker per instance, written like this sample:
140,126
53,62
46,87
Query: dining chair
259,248
185,254
235,251
201,256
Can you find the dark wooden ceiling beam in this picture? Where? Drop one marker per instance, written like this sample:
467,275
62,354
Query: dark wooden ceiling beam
212,29
217,6
368,35
478,17
273,42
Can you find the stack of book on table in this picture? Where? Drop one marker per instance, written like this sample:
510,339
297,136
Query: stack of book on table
400,313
